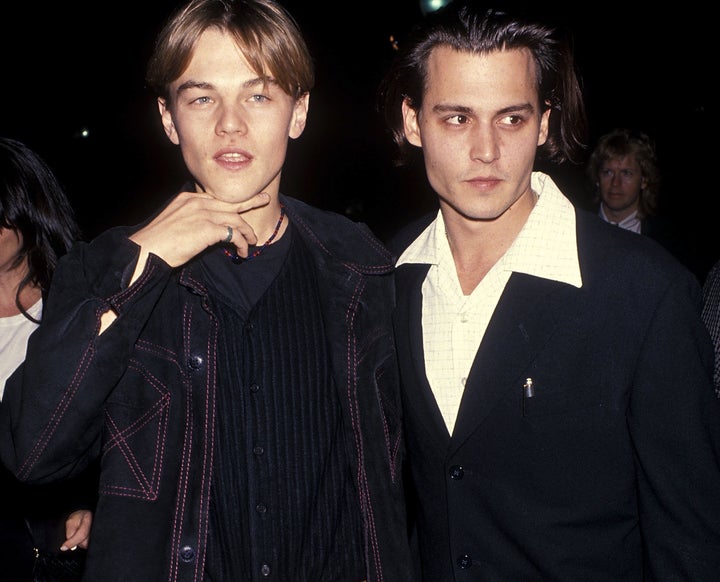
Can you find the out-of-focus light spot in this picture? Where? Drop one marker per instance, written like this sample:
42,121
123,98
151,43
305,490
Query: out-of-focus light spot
427,6
82,133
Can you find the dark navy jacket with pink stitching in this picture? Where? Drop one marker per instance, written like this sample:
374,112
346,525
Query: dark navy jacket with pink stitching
141,397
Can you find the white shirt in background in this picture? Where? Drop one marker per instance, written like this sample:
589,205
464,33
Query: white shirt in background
14,333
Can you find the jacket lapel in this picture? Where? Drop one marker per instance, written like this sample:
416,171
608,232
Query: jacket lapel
418,398
524,320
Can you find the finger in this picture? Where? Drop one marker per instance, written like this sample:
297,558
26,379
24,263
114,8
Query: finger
72,542
239,234
260,199
78,539
77,530
228,235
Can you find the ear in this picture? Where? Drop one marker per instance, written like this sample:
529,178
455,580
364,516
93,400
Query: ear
643,183
299,116
167,121
410,123
544,125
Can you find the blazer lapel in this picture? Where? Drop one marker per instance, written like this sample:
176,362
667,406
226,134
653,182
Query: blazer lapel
418,397
525,318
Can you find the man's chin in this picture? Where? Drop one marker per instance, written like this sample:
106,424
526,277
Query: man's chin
232,195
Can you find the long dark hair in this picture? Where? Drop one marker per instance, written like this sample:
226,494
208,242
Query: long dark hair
465,28
34,205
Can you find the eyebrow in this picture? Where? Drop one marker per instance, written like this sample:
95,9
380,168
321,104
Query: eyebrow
449,107
249,84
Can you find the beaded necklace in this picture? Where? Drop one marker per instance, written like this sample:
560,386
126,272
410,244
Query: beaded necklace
237,259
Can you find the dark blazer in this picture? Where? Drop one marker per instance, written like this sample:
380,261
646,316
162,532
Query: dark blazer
609,471
681,243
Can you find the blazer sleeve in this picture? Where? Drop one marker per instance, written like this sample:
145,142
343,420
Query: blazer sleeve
674,422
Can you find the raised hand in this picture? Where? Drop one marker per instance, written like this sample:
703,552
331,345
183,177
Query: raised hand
192,222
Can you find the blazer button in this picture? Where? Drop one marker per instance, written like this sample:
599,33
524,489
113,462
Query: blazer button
195,362
457,472
464,562
187,554
265,570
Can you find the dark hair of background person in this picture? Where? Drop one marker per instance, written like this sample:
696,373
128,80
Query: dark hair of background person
33,203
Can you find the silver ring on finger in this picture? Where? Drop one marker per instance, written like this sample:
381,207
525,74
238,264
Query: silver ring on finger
229,236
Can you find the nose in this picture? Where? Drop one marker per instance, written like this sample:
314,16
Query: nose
485,144
231,120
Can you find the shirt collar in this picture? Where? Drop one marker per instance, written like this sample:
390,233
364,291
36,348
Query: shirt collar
545,247
630,222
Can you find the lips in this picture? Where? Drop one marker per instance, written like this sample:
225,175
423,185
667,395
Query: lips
233,158
483,184
233,155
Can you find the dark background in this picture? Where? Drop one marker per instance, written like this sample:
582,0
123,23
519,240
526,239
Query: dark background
70,67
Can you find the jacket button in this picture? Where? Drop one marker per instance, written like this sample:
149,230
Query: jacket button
258,450
187,554
457,472
254,387
265,570
261,508
195,362
464,562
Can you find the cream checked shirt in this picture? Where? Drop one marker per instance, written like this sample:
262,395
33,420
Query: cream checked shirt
454,324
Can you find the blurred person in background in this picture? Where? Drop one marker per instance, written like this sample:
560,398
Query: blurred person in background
37,227
625,175
624,170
